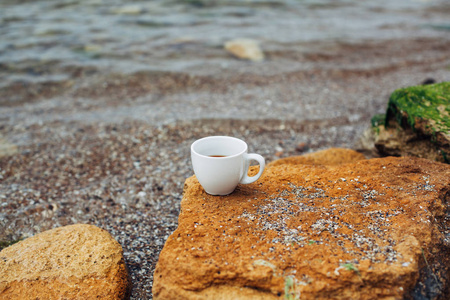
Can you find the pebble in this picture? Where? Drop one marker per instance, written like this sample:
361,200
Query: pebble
301,147
245,49
7,148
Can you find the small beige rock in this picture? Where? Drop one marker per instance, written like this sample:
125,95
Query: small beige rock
245,49
72,262
6,148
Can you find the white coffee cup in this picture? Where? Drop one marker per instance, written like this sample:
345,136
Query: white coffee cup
220,175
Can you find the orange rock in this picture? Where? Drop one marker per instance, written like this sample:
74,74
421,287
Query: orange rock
333,156
72,262
360,230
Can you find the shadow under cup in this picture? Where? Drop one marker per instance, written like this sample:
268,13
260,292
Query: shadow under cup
220,163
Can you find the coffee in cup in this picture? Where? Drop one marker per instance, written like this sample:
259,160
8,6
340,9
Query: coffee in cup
221,162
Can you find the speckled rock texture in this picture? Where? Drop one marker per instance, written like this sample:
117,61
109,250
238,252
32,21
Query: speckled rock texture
72,262
371,229
417,123
332,156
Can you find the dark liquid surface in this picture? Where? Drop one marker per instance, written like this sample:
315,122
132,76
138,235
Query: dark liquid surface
217,156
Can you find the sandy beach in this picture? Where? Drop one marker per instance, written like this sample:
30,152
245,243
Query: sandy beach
100,102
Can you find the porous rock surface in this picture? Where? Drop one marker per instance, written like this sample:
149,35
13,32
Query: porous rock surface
332,156
72,262
371,229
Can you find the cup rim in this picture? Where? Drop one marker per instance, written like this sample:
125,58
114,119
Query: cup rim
219,137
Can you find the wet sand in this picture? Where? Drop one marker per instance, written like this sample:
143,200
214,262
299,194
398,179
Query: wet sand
103,129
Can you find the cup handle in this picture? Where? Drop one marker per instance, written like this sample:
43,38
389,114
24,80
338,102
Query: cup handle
262,163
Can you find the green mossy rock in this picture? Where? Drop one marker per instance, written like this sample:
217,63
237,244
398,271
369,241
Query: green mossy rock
429,104
416,123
